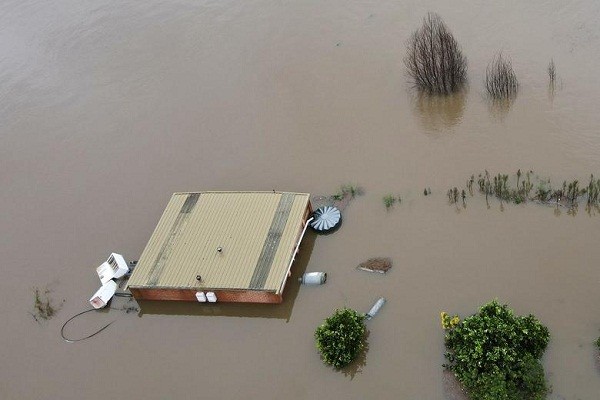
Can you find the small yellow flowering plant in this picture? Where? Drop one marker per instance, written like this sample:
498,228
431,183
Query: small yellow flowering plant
449,322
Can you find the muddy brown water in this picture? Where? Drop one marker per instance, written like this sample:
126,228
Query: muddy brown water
106,108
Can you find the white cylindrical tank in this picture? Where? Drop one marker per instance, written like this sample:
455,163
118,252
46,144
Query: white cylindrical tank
376,307
313,278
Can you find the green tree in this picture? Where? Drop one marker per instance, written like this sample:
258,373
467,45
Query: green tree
340,338
496,354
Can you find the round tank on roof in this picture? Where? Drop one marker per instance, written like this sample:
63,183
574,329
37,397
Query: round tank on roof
325,219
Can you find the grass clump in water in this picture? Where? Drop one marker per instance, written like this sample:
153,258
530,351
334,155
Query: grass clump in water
496,354
551,72
342,198
43,307
523,188
389,200
455,195
346,191
340,338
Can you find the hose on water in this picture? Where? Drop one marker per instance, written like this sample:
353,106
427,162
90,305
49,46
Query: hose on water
62,329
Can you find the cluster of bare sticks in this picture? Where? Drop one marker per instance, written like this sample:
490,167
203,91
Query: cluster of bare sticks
552,71
500,79
434,59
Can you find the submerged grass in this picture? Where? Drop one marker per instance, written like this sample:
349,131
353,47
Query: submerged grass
346,191
389,200
43,305
341,198
551,72
525,187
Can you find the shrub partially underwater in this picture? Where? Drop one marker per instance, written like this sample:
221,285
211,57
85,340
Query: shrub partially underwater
43,305
434,59
340,337
496,354
500,79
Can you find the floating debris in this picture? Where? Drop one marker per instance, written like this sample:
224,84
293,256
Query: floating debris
114,267
101,298
326,219
378,264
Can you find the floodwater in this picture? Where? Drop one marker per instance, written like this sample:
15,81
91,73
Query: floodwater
107,107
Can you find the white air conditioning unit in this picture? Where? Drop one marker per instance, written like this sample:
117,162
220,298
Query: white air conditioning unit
114,267
101,298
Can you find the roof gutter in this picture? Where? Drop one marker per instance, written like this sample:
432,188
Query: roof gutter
287,273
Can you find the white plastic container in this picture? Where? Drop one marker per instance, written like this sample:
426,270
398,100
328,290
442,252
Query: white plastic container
201,297
211,297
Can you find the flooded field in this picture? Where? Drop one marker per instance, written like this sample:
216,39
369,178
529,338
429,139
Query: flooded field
107,108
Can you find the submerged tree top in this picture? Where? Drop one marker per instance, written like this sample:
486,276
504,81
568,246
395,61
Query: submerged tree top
434,59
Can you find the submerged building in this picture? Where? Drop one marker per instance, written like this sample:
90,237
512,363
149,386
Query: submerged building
222,246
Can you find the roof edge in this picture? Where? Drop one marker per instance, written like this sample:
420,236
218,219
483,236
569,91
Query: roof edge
244,191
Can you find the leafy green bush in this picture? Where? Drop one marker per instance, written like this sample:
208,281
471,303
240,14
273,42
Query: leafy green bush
598,343
496,354
340,337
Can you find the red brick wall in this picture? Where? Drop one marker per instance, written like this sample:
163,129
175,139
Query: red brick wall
225,296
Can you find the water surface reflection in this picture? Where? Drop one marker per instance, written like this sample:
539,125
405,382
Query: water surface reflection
440,112
499,108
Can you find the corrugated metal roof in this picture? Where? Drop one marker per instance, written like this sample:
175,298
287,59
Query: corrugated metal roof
257,232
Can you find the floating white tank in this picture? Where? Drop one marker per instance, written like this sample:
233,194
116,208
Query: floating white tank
313,278
376,307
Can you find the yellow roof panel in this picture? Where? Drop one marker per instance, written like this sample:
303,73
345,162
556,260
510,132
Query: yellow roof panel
232,240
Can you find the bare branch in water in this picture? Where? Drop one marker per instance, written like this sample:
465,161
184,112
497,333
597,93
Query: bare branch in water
500,79
434,59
